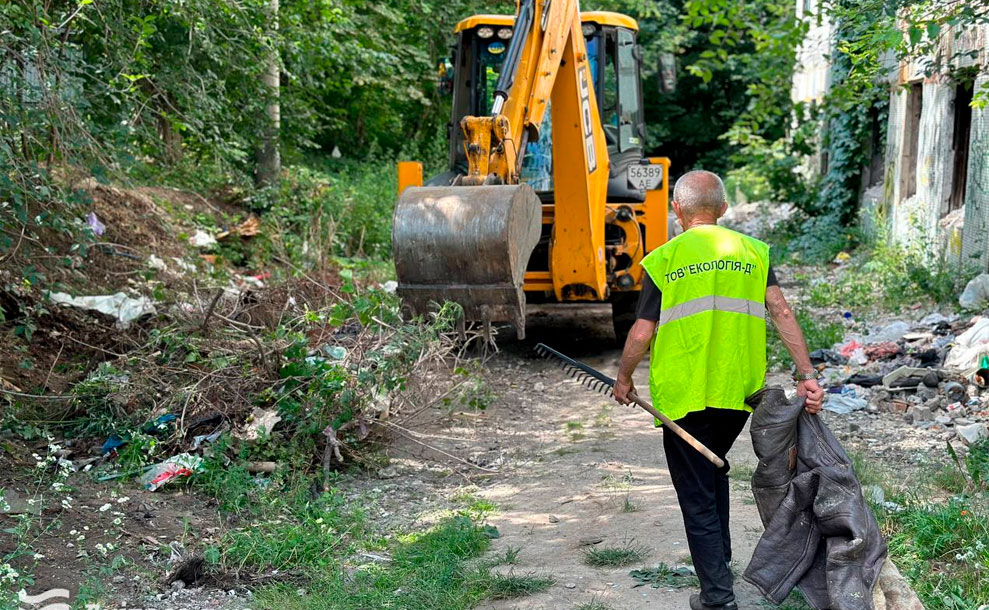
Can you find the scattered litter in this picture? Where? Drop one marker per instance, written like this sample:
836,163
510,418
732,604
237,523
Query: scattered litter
976,293
156,263
335,153
970,347
842,258
183,265
390,286
112,443
93,222
261,421
854,352
865,381
882,351
248,228
890,332
335,352
827,356
844,404
181,465
954,391
124,308
198,441
905,378
202,239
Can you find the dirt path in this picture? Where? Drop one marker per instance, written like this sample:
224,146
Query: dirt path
571,465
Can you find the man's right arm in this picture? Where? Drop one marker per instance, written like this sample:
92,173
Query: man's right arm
793,338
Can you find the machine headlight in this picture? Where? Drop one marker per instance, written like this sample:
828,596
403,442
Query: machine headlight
588,29
505,33
485,32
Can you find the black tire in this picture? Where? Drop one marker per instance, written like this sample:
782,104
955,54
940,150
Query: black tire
623,306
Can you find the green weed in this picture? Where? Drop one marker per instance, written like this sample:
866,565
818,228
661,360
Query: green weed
664,577
615,556
510,586
428,571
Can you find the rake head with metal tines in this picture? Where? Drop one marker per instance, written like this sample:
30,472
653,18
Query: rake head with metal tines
602,383
579,371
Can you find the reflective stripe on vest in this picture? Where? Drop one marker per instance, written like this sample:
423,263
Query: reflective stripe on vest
713,303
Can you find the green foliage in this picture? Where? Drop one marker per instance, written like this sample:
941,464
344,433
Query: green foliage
820,334
426,571
940,545
890,276
664,577
615,556
341,209
944,550
511,585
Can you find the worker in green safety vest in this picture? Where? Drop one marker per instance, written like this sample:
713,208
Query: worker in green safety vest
703,308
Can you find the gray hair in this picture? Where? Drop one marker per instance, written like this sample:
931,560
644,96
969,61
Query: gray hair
700,192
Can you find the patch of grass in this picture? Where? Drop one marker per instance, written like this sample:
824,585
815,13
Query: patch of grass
944,550
664,577
429,570
628,506
595,605
615,556
741,472
510,586
575,430
795,601
940,546
603,418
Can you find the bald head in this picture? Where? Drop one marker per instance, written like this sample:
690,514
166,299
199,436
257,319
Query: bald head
699,195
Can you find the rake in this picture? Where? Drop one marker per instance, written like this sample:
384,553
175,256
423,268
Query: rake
599,382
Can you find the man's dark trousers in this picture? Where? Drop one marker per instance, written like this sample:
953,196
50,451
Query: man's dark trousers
702,490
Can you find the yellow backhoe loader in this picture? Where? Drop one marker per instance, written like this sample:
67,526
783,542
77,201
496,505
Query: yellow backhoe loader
548,196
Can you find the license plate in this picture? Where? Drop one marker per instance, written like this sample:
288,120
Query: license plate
645,177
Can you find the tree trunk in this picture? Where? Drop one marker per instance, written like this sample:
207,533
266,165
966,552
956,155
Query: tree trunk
269,160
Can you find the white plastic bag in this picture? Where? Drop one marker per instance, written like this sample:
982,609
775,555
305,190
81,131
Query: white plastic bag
976,293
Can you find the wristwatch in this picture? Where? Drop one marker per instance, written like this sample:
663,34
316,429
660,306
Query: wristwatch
805,376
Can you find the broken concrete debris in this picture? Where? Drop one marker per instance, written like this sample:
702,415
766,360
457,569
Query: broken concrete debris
925,372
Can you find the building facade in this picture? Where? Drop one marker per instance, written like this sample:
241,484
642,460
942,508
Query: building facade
929,184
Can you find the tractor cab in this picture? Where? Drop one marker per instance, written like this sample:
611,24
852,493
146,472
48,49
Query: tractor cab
482,43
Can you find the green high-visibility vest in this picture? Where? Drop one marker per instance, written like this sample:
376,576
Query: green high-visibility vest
710,345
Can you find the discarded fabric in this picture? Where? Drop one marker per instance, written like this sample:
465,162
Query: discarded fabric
844,404
124,308
178,466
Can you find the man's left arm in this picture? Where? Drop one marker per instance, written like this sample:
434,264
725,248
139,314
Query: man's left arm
635,350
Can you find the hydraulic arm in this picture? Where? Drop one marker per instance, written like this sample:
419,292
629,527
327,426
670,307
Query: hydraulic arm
470,242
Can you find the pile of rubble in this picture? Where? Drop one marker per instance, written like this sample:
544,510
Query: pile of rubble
933,373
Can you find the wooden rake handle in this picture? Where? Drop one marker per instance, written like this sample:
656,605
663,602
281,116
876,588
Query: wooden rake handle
673,427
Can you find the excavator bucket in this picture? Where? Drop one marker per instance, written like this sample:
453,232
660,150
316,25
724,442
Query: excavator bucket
469,245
